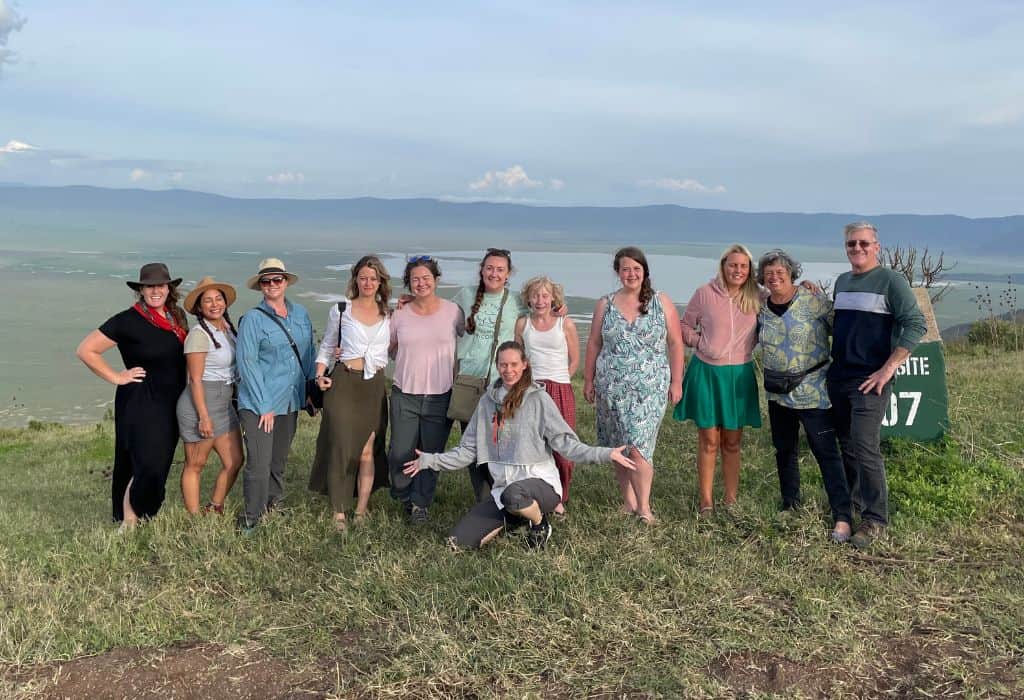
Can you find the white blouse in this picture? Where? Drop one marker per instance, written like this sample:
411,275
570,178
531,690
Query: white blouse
357,341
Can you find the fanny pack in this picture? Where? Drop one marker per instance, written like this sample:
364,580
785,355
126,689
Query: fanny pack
784,382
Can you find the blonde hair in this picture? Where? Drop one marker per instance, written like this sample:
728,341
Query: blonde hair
750,295
535,283
383,290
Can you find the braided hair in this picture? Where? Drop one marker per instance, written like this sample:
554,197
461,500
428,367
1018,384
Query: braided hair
480,288
646,290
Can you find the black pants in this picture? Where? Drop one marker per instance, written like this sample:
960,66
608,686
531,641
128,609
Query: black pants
858,421
418,422
485,517
821,437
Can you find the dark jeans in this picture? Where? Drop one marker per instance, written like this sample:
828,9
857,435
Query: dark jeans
858,421
821,436
266,457
479,476
418,422
485,517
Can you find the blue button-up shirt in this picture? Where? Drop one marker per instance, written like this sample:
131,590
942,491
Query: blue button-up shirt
271,379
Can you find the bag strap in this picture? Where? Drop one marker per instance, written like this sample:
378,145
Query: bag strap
342,305
295,348
494,342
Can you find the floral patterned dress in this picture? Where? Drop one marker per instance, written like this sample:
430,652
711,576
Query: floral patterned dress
632,377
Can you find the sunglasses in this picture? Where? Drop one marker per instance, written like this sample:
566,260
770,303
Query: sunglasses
499,251
863,244
267,281
419,259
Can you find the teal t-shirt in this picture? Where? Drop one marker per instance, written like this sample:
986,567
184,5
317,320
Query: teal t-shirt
474,348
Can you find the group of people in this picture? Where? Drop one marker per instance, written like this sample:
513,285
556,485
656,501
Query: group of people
501,364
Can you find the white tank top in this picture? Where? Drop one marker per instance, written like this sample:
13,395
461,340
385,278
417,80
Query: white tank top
547,351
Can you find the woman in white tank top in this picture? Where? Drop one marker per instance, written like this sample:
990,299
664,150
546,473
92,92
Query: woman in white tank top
553,350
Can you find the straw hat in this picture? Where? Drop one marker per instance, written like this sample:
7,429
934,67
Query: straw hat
209,283
267,267
152,275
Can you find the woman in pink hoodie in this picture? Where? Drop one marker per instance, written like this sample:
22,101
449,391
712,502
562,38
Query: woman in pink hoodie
720,388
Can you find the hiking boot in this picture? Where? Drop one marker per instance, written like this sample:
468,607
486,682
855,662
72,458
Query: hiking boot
419,516
538,535
866,535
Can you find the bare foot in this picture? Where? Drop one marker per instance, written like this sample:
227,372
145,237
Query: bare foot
626,510
340,524
359,518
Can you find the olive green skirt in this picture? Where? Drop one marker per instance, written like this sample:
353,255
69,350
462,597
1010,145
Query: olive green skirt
719,396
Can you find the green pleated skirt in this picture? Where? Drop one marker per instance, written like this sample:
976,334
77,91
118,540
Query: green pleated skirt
719,396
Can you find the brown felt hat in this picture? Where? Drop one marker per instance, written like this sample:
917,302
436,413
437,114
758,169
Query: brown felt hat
152,275
209,283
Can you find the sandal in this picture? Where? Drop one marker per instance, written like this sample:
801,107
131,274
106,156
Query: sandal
340,524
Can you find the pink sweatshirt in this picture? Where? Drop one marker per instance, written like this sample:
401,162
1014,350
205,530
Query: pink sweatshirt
720,333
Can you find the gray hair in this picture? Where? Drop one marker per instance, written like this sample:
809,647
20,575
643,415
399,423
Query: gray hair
778,257
859,226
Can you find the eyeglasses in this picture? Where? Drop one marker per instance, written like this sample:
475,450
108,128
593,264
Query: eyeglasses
267,281
499,251
858,242
419,259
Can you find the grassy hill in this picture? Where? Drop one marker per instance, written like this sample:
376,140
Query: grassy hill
754,604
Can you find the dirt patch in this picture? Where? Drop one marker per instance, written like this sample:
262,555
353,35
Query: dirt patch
919,664
186,672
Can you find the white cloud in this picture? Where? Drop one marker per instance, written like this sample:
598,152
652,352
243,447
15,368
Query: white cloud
286,177
1002,116
138,174
10,22
514,178
12,145
673,184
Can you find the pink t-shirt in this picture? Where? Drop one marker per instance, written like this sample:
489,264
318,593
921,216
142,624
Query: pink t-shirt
425,358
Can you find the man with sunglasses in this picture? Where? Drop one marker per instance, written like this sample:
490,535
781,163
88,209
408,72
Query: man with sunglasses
877,325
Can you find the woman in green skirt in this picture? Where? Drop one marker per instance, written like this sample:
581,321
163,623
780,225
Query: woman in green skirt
720,389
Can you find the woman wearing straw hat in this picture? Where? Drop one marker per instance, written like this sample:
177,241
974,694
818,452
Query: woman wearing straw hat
207,417
275,357
149,335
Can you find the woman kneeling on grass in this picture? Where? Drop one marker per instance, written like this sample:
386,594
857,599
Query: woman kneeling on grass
515,429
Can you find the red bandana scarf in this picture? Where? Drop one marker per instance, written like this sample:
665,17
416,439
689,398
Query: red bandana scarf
162,321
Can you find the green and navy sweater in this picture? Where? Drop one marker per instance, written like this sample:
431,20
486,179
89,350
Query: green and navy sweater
875,312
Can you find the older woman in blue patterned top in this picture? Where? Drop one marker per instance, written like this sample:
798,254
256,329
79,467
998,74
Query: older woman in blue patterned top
795,325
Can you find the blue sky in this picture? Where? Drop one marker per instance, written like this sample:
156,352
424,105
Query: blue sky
855,107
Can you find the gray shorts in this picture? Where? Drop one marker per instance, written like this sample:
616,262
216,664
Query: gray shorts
220,406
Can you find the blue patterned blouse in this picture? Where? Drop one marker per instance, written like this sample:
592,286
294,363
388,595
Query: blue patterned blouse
795,341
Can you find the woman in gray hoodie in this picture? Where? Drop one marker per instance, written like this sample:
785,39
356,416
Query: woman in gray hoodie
515,429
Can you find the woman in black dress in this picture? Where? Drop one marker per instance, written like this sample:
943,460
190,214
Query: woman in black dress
149,335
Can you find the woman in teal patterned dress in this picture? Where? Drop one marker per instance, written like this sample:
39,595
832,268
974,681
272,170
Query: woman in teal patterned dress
794,327
629,374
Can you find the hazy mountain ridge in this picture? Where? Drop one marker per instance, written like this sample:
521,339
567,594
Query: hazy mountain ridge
121,215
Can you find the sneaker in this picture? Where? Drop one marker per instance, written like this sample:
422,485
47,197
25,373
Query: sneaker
866,535
538,535
418,515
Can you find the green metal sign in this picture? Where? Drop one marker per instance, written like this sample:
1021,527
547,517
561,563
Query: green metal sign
919,406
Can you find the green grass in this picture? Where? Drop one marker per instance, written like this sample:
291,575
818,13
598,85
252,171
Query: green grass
754,604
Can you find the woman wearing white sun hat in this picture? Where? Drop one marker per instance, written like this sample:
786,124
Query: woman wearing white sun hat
275,357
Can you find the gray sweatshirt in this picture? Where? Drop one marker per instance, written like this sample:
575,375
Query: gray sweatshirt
527,439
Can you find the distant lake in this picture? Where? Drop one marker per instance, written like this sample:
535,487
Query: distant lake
55,298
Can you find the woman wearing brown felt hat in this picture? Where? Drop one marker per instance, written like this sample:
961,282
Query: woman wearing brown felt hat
149,335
